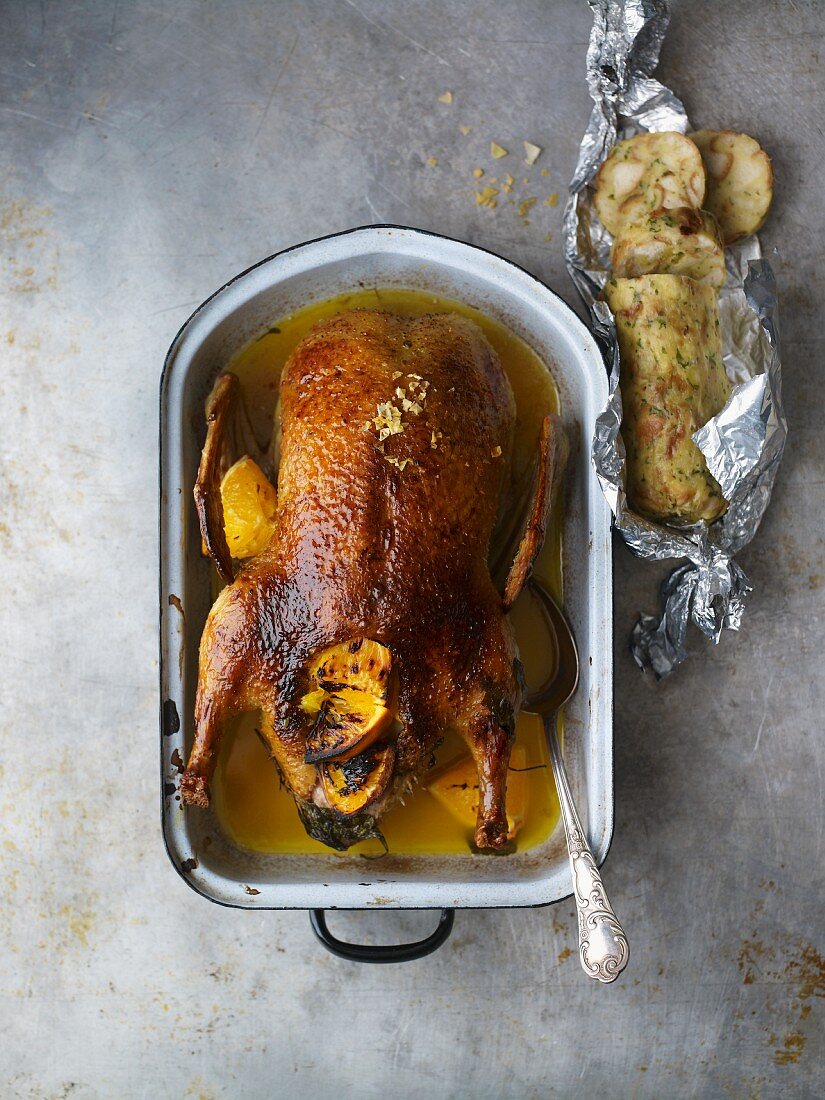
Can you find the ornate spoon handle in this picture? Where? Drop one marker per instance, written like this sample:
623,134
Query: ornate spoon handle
603,946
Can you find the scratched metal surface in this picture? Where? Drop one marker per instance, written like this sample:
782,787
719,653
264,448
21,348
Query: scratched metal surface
150,152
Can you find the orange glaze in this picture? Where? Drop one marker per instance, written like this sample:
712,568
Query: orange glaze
251,804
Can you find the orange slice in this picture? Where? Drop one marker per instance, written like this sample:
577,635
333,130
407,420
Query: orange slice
352,786
249,505
348,722
359,663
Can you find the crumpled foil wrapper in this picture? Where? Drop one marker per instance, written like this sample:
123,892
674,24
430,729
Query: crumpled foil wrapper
743,445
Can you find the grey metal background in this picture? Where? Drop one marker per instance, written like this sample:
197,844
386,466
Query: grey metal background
148,153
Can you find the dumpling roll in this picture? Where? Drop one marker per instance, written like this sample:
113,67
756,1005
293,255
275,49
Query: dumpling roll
672,381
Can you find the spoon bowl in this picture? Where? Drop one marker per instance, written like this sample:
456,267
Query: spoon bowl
564,678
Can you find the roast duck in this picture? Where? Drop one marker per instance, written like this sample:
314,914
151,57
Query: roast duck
370,623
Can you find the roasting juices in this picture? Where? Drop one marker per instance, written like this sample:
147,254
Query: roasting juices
253,806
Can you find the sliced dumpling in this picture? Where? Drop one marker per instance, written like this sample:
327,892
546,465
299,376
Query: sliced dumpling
683,241
739,181
646,173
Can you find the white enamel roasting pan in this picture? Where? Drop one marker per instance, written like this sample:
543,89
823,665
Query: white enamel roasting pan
382,256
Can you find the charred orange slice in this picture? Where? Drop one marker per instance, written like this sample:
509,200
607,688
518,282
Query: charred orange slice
249,504
457,791
348,722
359,663
352,786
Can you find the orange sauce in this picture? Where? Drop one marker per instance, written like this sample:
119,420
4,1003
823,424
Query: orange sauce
252,806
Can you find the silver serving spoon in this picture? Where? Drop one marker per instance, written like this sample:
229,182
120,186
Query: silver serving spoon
603,946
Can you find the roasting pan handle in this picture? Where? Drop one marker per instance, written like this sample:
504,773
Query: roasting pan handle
389,953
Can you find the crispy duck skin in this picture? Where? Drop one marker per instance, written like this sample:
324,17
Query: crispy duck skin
370,545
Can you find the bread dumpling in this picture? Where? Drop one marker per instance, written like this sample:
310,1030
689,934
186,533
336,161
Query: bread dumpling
646,173
672,381
672,242
739,181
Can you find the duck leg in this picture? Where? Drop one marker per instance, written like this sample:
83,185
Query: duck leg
552,456
223,687
211,715
485,719
487,723
490,743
